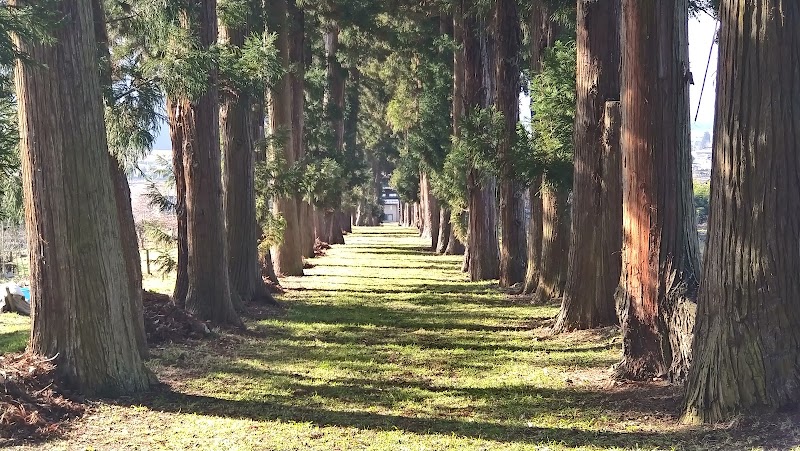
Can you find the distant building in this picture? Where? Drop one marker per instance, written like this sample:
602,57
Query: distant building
391,204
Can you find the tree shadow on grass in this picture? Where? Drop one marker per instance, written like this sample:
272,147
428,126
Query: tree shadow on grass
319,415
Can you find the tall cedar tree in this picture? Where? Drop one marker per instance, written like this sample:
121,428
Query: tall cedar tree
659,253
430,209
287,256
208,295
454,245
330,229
297,43
747,350
81,305
238,177
507,73
555,240
543,33
178,137
593,269
483,263
122,190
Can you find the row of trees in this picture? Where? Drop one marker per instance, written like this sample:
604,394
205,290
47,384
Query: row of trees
612,229
352,91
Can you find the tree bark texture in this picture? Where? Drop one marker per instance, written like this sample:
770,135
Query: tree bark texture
209,293
176,134
506,23
484,254
534,238
430,210
122,191
543,33
658,283
297,45
287,256
593,273
333,227
130,249
483,247
555,243
238,149
82,310
445,230
454,246
747,338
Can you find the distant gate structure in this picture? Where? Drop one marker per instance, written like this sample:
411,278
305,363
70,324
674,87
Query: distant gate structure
391,204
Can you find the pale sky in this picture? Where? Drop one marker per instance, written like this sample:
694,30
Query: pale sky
701,34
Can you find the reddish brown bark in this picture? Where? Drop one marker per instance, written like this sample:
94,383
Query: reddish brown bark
82,313
747,345
659,254
287,256
430,210
543,32
593,272
445,230
297,79
176,134
555,243
534,238
122,192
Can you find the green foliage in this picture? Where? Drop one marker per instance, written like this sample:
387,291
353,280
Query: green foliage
405,179
702,200
325,183
273,228
553,112
153,236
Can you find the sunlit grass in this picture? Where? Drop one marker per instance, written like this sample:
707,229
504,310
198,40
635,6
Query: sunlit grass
385,346
14,330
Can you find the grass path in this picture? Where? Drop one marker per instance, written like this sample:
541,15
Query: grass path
385,346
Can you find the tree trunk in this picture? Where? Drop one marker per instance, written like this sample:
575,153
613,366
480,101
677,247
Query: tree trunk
345,221
238,148
593,273
543,33
333,227
747,339
484,258
483,250
555,243
659,254
507,74
445,230
130,249
297,77
534,239
209,293
177,138
287,256
82,312
268,269
122,191
454,245
430,210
